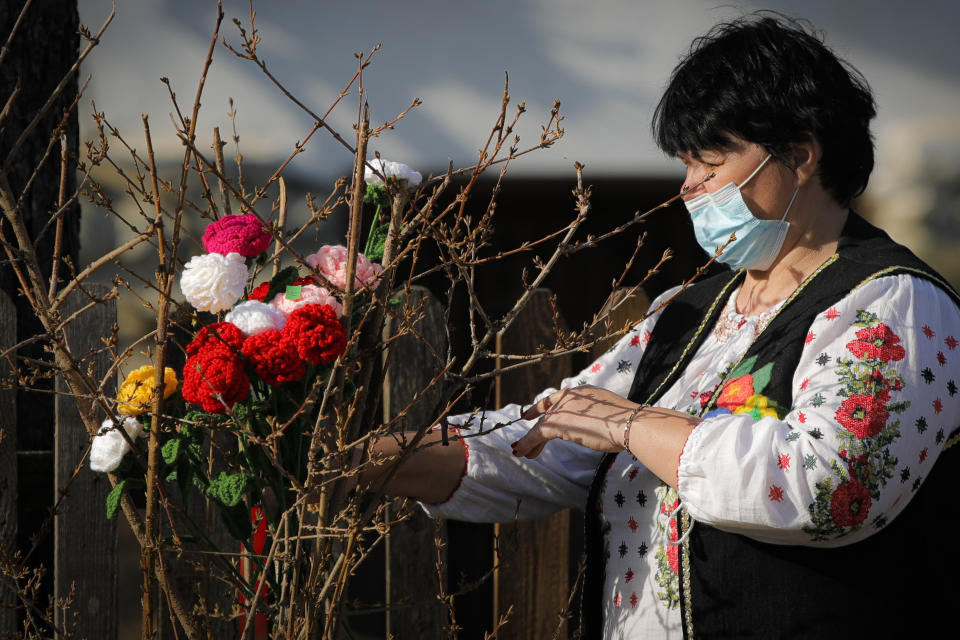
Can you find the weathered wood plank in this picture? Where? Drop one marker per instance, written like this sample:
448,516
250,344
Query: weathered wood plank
533,557
8,458
411,577
85,557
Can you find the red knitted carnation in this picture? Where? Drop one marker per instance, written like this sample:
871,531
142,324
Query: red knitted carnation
316,332
260,292
274,357
218,334
214,379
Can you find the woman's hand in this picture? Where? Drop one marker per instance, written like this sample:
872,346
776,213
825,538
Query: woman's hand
591,417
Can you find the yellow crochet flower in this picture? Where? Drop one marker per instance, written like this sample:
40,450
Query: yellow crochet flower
136,391
758,406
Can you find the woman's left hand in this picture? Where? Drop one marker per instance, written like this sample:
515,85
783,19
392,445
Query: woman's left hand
591,417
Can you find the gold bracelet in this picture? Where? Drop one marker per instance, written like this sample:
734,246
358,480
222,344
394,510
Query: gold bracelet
626,427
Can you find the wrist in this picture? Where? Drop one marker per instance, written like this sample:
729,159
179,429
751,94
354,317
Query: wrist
629,424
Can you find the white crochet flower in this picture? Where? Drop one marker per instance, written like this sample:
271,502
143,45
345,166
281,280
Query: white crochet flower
109,447
213,282
389,168
253,317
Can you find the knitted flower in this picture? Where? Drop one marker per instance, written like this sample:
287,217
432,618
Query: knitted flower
223,334
391,169
136,392
109,446
316,333
331,261
237,234
309,294
253,317
213,282
274,357
214,379
260,292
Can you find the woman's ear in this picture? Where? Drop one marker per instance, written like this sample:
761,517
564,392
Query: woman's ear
805,158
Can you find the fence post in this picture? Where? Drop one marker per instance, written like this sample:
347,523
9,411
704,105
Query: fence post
532,558
85,541
8,458
413,610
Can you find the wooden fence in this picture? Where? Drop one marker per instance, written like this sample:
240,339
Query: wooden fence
533,565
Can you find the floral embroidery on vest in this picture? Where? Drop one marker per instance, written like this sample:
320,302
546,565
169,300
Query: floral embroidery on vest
742,392
866,463
668,569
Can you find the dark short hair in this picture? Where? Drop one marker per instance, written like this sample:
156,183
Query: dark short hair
769,80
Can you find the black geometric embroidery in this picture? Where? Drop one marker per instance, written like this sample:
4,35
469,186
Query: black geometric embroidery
619,499
817,400
823,359
921,424
623,366
815,433
642,549
642,498
916,483
904,474
939,437
952,388
622,549
928,376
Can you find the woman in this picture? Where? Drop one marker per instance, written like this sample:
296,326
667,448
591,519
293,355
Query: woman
764,456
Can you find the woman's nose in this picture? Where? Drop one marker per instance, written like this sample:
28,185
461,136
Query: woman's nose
693,182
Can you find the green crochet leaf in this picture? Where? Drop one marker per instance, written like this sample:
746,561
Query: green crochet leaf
113,498
171,451
228,488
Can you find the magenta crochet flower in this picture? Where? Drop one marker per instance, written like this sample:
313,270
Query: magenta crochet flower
245,235
331,261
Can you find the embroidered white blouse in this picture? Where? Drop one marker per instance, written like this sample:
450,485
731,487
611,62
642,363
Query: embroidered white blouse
874,399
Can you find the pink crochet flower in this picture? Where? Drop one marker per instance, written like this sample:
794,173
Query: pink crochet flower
237,234
309,294
331,261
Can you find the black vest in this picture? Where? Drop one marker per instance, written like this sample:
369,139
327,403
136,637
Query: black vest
899,582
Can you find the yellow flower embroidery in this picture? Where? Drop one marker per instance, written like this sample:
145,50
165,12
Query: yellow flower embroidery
136,391
758,406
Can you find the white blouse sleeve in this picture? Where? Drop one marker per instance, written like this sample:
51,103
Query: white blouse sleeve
875,395
497,486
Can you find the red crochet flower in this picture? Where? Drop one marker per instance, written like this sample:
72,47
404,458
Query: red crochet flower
850,504
316,332
223,334
214,379
260,292
864,415
877,342
274,357
736,392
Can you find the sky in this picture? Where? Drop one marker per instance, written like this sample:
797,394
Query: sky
606,61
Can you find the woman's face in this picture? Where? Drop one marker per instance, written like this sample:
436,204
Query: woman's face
767,194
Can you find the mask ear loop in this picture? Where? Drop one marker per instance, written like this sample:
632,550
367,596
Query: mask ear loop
750,177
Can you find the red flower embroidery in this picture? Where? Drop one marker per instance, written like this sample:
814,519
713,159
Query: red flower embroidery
810,338
802,417
877,342
927,331
776,493
864,415
628,575
942,359
951,342
595,368
616,600
673,550
705,398
634,341
633,473
783,461
850,504
937,405
804,384
646,337
736,392
632,524
634,599
923,455
832,313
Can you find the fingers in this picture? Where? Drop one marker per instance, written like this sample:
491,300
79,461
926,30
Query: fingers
530,445
537,409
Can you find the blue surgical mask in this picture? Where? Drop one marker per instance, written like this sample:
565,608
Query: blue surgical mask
716,215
